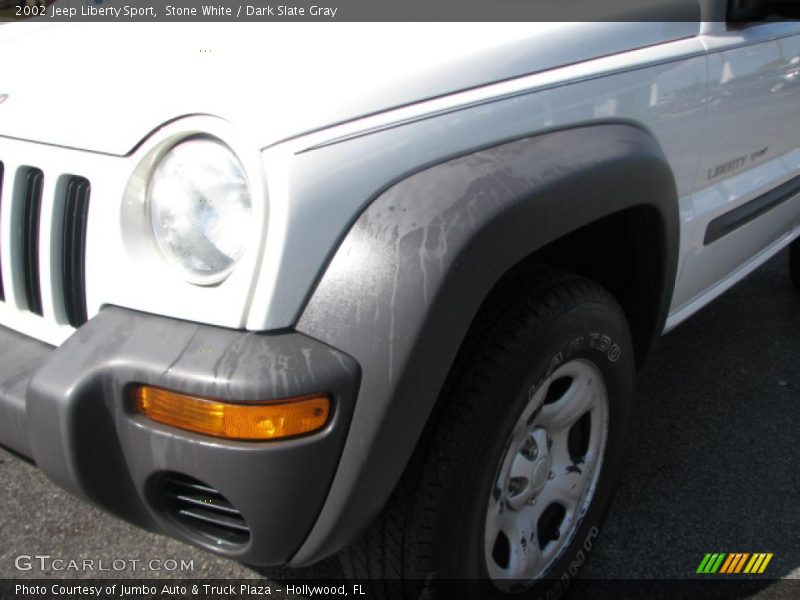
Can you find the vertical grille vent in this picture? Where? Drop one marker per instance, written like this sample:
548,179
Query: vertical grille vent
54,217
73,251
33,180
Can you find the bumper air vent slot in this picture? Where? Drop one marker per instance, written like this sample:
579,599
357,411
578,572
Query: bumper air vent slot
203,509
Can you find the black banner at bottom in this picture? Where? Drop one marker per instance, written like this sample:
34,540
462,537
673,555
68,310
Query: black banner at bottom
226,589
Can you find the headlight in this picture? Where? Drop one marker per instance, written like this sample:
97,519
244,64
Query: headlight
200,210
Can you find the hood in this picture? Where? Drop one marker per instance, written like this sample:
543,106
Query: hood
104,87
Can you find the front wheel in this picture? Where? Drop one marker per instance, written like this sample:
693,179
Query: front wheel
514,473
547,477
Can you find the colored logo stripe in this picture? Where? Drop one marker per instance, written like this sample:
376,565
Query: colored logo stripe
758,563
734,563
710,563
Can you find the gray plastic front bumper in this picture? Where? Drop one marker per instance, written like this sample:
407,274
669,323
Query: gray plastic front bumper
69,410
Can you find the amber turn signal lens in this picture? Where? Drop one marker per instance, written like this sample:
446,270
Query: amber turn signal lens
275,420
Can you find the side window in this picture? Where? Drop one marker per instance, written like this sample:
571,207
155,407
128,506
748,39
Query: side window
742,12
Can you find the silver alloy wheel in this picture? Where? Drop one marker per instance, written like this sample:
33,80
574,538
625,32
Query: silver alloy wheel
548,474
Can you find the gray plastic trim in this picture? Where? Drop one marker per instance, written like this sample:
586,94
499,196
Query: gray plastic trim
82,431
20,357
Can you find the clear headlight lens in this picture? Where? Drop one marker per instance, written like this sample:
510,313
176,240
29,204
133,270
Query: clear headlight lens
200,209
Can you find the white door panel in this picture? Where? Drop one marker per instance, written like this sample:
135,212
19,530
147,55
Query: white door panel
751,146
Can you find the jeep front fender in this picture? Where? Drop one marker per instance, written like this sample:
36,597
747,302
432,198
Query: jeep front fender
409,277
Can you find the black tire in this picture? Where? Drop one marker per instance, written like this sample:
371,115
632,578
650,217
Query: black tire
794,262
424,538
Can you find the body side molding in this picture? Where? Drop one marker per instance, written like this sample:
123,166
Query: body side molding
744,214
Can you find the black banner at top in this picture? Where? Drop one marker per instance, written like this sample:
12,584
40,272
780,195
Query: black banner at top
353,10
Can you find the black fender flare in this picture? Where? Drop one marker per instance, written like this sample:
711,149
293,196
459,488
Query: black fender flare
407,280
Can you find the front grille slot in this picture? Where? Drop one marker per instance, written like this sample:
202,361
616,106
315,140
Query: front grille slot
33,179
203,509
49,283
73,251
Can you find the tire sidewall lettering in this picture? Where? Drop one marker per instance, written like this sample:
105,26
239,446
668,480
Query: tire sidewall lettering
602,343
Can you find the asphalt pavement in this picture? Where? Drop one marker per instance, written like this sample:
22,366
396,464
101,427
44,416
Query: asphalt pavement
713,465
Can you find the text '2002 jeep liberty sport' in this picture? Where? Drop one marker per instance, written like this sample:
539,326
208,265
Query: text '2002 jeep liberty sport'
390,302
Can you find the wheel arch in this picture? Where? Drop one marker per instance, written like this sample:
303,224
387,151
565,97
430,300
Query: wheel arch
412,273
626,252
